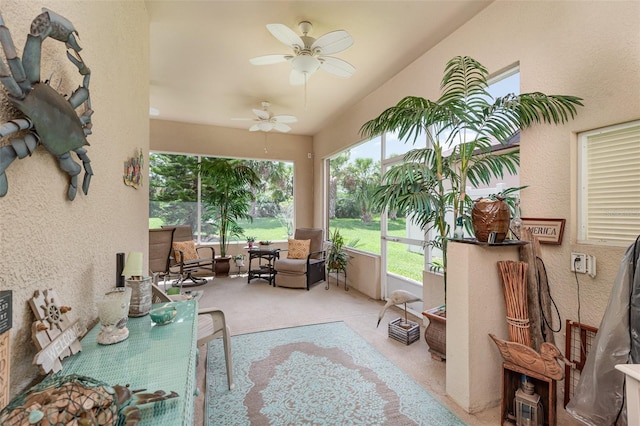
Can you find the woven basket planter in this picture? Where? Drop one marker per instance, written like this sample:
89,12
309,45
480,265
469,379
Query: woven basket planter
436,334
402,334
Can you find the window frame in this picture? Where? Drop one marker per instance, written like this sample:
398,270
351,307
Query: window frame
582,187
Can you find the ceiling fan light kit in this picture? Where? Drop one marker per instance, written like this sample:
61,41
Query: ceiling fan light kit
309,54
305,64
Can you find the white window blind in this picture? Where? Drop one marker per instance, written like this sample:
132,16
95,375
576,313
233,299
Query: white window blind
609,195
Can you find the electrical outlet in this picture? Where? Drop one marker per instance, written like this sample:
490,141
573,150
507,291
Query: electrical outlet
579,263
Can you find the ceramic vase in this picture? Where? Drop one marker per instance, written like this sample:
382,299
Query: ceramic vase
490,216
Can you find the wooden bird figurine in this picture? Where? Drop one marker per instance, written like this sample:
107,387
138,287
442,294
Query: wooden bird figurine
545,362
395,298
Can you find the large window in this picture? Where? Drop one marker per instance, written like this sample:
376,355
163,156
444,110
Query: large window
609,184
353,175
175,194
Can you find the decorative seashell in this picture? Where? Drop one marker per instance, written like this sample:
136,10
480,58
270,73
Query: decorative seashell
104,417
35,416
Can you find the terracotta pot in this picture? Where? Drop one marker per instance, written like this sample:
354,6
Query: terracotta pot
436,333
222,265
489,216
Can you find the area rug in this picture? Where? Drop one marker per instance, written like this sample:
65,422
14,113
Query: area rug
323,374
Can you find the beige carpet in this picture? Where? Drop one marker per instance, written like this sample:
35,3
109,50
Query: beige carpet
258,307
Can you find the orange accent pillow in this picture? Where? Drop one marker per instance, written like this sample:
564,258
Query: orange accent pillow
298,249
187,247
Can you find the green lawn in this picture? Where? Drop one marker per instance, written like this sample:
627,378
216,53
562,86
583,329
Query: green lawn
401,260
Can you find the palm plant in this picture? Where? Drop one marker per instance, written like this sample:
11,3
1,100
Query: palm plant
227,191
461,128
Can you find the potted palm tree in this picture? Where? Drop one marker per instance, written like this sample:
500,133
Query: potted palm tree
461,128
227,191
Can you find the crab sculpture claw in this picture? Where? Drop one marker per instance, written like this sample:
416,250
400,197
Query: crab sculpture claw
48,117
50,24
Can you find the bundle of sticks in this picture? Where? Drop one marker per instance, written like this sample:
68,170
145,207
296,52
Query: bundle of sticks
514,287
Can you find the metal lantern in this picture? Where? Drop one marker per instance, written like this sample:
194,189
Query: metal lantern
529,411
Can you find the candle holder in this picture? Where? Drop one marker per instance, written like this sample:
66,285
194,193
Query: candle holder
113,307
140,286
140,296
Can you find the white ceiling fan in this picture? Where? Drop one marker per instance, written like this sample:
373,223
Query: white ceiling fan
265,122
309,54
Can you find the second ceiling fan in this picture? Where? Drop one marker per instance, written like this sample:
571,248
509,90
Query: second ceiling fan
265,122
309,54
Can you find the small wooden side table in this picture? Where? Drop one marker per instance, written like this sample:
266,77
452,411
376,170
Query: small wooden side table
266,270
544,386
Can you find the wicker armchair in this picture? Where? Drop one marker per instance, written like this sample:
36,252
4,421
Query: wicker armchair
302,273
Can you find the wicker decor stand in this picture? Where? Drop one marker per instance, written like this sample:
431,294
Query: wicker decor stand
402,334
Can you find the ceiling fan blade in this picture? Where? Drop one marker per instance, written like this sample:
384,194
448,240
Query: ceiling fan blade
281,127
242,119
285,119
285,35
296,78
270,59
254,128
261,113
333,42
337,66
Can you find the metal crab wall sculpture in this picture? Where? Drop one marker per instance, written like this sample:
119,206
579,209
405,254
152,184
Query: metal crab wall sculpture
49,117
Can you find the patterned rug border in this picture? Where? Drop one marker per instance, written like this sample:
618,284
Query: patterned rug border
290,327
415,401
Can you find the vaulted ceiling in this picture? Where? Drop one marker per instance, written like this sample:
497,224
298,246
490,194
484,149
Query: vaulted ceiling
200,51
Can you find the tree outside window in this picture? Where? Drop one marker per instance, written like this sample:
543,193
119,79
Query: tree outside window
174,192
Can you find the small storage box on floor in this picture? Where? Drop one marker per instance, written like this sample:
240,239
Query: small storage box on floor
404,335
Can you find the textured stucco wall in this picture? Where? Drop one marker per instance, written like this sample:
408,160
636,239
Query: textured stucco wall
587,49
177,137
47,241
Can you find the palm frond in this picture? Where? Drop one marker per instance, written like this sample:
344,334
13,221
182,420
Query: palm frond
464,78
537,107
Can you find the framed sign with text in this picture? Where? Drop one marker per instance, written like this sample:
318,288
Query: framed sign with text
548,231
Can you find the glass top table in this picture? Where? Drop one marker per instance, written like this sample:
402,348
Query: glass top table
153,357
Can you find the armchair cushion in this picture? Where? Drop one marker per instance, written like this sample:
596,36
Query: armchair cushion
291,266
298,249
188,249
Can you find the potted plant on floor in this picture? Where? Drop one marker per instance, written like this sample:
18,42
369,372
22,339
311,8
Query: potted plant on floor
461,128
227,192
239,260
337,257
